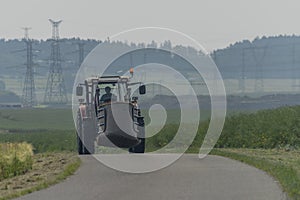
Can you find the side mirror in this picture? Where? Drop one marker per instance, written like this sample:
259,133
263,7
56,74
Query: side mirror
142,89
79,91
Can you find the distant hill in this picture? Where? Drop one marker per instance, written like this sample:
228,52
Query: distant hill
266,57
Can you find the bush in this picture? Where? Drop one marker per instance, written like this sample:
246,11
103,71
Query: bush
15,159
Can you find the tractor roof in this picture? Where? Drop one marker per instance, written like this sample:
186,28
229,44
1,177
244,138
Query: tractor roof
108,79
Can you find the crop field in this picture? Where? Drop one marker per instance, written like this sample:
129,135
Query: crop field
44,141
50,135
53,129
266,139
48,130
268,129
36,119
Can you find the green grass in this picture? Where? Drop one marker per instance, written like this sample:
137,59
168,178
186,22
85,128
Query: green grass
244,129
173,116
48,130
268,129
68,170
44,141
36,119
282,165
51,130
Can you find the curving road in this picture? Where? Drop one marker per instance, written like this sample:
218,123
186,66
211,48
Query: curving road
212,178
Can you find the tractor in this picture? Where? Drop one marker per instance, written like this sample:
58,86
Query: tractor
108,115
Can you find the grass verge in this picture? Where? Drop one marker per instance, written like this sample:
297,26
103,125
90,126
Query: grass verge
48,169
282,165
15,159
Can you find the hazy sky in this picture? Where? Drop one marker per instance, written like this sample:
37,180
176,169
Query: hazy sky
214,23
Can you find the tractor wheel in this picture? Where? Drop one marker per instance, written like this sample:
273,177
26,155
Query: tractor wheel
140,148
79,146
85,136
79,134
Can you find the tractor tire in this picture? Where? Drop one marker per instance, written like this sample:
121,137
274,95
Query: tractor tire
85,136
140,148
79,134
79,146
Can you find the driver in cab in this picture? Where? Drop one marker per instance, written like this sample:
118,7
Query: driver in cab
108,96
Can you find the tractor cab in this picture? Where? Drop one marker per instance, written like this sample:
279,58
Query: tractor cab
112,89
111,115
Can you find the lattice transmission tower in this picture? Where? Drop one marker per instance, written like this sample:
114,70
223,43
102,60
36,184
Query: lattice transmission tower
259,61
242,78
55,89
29,95
80,52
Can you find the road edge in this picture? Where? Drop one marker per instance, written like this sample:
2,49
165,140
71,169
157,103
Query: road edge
69,170
276,172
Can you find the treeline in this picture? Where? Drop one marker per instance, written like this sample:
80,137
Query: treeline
265,57
272,57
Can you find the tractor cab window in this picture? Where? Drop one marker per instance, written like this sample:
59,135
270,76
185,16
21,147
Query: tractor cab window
110,92
107,93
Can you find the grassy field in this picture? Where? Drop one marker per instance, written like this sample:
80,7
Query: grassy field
48,130
268,139
53,129
36,119
44,140
268,129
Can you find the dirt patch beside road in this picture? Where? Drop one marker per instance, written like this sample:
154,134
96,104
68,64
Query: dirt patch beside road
47,169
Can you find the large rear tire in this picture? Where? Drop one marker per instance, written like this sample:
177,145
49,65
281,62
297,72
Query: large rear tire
79,145
85,136
140,148
79,134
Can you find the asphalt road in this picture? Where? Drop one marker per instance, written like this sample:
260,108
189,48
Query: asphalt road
212,178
